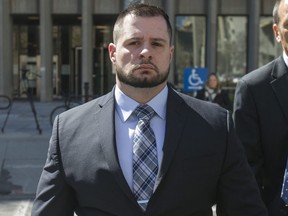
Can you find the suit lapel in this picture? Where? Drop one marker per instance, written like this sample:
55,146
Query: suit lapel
174,126
280,85
105,126
175,121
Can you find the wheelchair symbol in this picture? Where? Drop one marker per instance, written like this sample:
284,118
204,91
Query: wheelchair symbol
194,79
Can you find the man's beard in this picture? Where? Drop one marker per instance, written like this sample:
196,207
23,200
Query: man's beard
141,82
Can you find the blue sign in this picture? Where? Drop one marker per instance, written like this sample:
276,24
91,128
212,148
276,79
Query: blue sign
194,79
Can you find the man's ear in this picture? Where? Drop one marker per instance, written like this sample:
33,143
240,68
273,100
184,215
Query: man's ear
276,33
172,49
112,52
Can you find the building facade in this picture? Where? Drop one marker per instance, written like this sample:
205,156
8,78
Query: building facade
56,47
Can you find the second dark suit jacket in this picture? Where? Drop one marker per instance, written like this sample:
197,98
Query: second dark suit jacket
202,165
261,119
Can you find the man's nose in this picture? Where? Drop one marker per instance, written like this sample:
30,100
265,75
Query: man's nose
146,52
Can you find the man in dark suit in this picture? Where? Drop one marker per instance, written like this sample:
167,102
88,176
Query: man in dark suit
261,118
90,166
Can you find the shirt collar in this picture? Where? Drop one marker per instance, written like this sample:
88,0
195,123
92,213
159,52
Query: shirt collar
126,105
285,57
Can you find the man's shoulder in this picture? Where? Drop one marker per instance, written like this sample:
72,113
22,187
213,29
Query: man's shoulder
203,108
262,74
89,107
210,113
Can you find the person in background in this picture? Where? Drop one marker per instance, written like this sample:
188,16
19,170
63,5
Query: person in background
214,93
144,148
261,118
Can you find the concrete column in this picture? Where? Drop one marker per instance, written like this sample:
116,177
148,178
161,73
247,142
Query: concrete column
211,36
87,45
46,50
6,72
253,34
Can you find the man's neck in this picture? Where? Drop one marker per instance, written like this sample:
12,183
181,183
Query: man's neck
141,95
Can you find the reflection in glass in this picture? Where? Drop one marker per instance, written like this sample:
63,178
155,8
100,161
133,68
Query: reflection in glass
269,49
231,49
189,45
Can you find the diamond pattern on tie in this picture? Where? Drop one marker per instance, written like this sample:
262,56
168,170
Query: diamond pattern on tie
284,192
145,164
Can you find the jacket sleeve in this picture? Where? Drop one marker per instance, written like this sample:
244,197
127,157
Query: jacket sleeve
54,196
238,192
247,128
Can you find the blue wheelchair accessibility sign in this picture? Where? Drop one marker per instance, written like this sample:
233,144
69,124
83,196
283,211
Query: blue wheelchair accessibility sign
194,79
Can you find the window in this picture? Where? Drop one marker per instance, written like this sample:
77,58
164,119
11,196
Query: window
269,49
231,49
190,38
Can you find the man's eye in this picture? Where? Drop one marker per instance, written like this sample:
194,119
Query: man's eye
157,44
134,43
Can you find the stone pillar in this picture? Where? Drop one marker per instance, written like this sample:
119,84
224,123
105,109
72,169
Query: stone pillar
87,46
211,45
6,70
46,51
253,35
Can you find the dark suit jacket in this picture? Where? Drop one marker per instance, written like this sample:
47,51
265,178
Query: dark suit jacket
202,165
261,119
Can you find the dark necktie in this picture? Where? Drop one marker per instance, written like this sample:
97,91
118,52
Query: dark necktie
145,164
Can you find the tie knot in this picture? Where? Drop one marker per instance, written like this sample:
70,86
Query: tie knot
144,112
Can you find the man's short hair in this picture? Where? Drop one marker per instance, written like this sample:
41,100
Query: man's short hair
275,11
141,10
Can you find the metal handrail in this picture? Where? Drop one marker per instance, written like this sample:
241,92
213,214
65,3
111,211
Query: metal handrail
6,104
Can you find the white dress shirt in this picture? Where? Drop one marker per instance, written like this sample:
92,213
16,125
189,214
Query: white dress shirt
125,124
285,57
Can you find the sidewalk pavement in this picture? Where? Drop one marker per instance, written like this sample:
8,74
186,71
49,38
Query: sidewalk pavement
23,151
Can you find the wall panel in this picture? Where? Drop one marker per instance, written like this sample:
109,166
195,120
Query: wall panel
24,6
106,6
267,7
66,6
235,7
190,7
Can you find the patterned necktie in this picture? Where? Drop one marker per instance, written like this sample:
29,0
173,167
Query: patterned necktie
284,192
145,164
